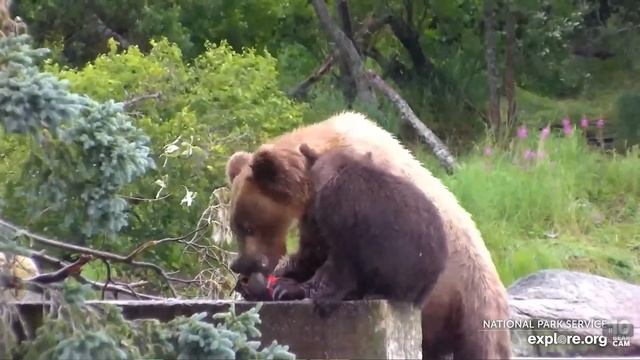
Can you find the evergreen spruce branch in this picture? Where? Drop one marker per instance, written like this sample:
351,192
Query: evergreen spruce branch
90,150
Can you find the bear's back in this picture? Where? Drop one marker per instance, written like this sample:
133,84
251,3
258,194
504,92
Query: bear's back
381,223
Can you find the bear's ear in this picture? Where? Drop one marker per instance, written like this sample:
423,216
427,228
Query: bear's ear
309,154
280,173
235,164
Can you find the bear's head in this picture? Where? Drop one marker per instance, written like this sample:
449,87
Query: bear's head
269,190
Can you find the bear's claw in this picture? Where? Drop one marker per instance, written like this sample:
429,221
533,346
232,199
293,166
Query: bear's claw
288,289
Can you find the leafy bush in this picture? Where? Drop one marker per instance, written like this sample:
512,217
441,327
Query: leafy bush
76,330
628,119
196,115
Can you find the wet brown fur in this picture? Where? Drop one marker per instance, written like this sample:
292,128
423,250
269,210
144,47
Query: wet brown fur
385,239
466,293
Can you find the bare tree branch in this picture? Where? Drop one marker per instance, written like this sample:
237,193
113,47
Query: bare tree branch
38,284
410,40
210,281
102,254
55,262
347,51
437,146
106,283
133,101
361,37
135,200
391,68
63,273
300,90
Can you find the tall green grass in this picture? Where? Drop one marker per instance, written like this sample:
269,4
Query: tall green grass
574,208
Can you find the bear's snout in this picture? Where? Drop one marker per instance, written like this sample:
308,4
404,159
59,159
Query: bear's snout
247,266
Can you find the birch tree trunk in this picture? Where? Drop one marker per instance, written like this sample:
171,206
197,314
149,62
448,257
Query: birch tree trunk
493,77
510,68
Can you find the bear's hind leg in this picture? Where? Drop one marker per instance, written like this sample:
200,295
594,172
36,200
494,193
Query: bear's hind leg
482,346
478,343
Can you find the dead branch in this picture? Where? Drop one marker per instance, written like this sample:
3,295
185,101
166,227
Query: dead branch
361,38
106,283
133,101
8,281
410,40
437,146
135,200
391,68
152,243
300,90
39,283
55,262
95,253
347,51
120,287
63,273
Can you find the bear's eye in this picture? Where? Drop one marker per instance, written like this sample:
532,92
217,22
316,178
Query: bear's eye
244,230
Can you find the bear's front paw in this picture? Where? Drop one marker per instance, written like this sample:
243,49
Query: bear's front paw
288,289
253,287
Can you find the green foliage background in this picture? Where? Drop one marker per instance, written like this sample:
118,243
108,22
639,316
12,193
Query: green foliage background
217,73
193,128
119,133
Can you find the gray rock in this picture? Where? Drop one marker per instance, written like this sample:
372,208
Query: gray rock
568,295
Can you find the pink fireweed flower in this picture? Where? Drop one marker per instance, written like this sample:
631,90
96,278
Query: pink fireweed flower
584,122
488,151
528,154
566,122
522,132
544,133
600,123
567,130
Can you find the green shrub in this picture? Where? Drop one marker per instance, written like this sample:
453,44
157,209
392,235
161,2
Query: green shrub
205,110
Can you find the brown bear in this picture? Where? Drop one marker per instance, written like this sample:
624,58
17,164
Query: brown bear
385,239
466,293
